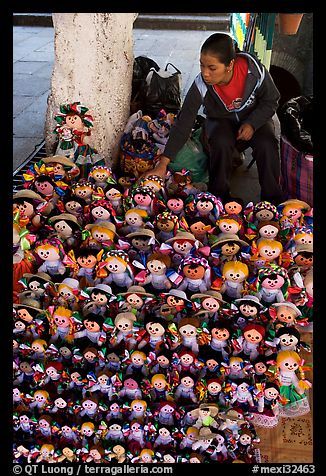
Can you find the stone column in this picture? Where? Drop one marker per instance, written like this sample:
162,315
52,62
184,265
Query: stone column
93,65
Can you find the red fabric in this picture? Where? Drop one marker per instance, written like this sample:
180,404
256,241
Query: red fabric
232,93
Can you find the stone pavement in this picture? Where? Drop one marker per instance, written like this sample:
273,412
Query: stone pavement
33,57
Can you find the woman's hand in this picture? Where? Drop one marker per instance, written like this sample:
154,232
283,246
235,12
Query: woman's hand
245,132
159,169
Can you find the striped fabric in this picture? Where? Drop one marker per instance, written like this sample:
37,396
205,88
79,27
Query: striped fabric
296,172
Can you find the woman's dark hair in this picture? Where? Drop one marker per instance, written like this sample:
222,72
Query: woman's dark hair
222,46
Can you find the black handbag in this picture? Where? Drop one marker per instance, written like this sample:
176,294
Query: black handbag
162,91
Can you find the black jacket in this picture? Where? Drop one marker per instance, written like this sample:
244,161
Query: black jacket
260,101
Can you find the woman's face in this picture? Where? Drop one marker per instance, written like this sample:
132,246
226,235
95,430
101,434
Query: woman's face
212,70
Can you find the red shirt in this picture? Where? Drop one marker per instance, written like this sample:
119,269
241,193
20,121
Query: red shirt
232,93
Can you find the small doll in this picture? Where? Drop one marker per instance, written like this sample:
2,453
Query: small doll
138,410
61,168
136,437
114,269
83,264
204,439
303,258
92,359
114,411
284,314
101,210
175,306
29,323
266,252
118,454
233,419
146,456
135,219
243,397
143,242
249,309
292,213
214,391
44,429
220,342
206,204
164,440
262,368
230,224
114,193
114,431
268,230
96,454
184,392
153,337
208,304
287,338
236,368
67,229
46,454
68,433
211,366
84,190
52,253
40,400
101,296
187,328
272,284
32,209
90,408
36,284
92,331
244,449
167,413
113,361
24,427
180,184
75,206
101,176
189,438
77,380
62,325
143,198
228,247
162,363
87,433
159,390
45,186
235,274
176,204
54,374
196,457
200,227
131,389
250,343
138,364
125,331
181,245
102,385
137,301
234,206
157,265
187,362
206,414
68,454
197,274
155,183
69,294
292,383
38,347
100,235
166,225
74,130
268,405
217,450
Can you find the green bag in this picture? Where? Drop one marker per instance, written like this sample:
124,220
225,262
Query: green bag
192,157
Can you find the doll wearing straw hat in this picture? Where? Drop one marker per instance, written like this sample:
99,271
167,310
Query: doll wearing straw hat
206,415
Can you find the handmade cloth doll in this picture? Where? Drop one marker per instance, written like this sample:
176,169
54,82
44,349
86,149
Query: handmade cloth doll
220,342
32,209
62,324
36,285
143,198
197,274
138,410
92,331
68,294
130,389
292,213
265,253
115,270
155,183
272,284
208,304
138,364
100,235
303,256
102,385
61,168
227,247
100,210
207,205
249,309
46,454
230,224
184,392
164,439
284,314
125,332
206,416
250,343
159,389
268,405
135,219
217,450
200,227
114,193
181,245
166,413
73,130
187,328
268,230
189,438
154,336
287,338
166,225
292,383
101,176
162,363
176,204
51,191
100,296
186,361
136,437
157,265
236,368
84,190
233,419
235,274
76,206
143,242
137,301
242,397
175,305
51,252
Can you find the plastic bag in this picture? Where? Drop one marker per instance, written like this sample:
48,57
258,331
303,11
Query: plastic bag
162,91
141,68
193,158
296,122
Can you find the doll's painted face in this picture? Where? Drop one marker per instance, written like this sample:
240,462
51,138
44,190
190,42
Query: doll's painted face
155,329
24,420
130,384
114,407
211,364
232,207
304,239
247,310
101,234
61,321
87,262
243,387
156,267
138,407
26,209
37,347
253,336
44,188
67,452
268,231
20,326
52,372
44,424
113,358
245,439
99,298
292,213
135,427
288,341
188,330
304,259
220,334
103,379
230,249
25,367
87,430
289,364
60,403
137,358
24,315
199,229
273,282
92,326
47,253
167,409
159,382
116,266
228,226
167,458
142,199
260,368
165,225
286,315
235,276
89,405
65,292
204,206
100,175
163,361
90,356
146,458
73,207
124,324
74,121
264,215
210,304
100,213
235,365
63,228
175,301
76,377
194,271
175,205
95,454
134,219
271,393
186,359
164,432
187,382
135,301
214,388
141,244
65,352
16,394
269,252
36,287
83,191
113,194
40,397
182,246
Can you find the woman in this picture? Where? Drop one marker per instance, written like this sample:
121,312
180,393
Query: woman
239,99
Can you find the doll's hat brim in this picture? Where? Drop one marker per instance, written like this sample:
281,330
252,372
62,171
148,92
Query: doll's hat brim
28,194
288,304
65,217
177,293
40,275
249,297
205,433
102,287
227,237
309,247
136,290
142,232
296,203
208,294
183,235
105,224
212,408
23,306
59,159
232,415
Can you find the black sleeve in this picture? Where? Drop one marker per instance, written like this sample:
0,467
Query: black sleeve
267,98
184,122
